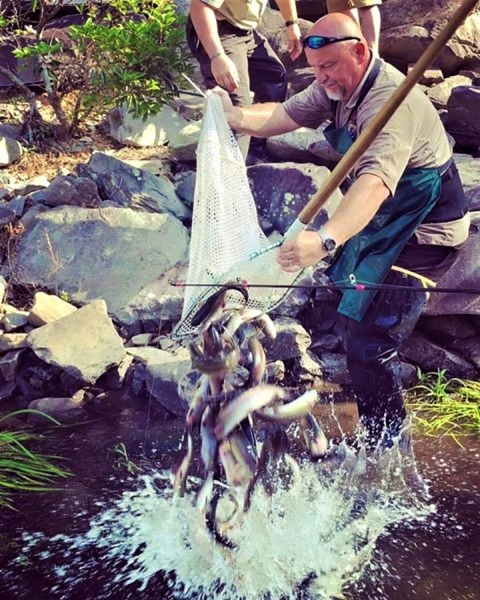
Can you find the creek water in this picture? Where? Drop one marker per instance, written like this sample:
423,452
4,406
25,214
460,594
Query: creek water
347,527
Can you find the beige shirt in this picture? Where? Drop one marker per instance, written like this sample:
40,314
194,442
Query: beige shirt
413,137
244,15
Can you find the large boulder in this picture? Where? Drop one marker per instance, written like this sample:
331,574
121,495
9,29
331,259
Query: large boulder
408,28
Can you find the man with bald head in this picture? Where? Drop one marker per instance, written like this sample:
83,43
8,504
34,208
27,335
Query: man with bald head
366,13
400,222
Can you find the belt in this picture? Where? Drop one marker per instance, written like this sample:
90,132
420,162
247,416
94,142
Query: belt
225,27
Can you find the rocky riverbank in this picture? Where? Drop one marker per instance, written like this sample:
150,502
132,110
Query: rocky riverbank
90,253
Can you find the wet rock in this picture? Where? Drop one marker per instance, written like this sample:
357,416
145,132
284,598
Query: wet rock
464,274
430,357
308,368
291,342
163,372
64,410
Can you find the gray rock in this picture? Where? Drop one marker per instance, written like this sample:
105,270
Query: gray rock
47,308
292,340
155,130
430,357
10,151
68,190
84,344
282,190
464,274
463,107
109,253
126,186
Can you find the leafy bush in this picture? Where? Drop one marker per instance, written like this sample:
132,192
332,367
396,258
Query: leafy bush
135,55
128,52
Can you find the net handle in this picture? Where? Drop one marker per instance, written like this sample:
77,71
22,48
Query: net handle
345,165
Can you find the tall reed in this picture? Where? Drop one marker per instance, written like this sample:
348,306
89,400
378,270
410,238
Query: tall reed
22,470
443,406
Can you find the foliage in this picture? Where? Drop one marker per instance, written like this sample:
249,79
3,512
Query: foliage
136,60
128,52
22,470
65,296
444,406
123,461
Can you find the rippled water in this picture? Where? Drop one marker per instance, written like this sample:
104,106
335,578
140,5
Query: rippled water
348,527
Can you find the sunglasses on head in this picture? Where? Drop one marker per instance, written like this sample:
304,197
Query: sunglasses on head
314,42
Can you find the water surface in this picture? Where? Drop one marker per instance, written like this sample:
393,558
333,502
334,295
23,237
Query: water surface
344,527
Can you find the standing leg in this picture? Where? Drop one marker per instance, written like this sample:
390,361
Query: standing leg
267,74
237,44
370,22
372,356
366,13
268,80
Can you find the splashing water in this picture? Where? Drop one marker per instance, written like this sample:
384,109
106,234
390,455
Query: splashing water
311,538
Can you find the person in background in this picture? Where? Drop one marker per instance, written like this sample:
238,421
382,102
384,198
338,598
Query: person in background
367,15
222,35
400,222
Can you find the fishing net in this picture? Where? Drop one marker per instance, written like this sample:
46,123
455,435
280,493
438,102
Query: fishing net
227,244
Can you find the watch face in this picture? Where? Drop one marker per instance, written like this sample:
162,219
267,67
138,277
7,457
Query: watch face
329,244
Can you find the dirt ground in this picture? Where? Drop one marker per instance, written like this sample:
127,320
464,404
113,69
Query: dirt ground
49,156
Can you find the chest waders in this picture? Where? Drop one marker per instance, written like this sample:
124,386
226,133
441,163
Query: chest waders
378,322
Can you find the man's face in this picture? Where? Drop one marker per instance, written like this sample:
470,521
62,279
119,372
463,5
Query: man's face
337,69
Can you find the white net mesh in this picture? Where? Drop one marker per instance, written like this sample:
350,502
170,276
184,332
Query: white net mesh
227,243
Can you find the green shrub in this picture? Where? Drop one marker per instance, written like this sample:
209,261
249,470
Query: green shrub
128,52
135,55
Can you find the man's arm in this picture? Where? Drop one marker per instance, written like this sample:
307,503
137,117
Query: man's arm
205,23
356,210
261,120
288,8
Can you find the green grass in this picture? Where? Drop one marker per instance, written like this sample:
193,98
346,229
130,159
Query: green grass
122,460
22,470
443,406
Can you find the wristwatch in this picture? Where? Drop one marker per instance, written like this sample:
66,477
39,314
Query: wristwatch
328,244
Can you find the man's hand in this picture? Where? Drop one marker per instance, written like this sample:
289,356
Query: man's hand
227,104
304,251
225,72
294,39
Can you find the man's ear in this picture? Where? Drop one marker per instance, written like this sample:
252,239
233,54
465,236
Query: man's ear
361,51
